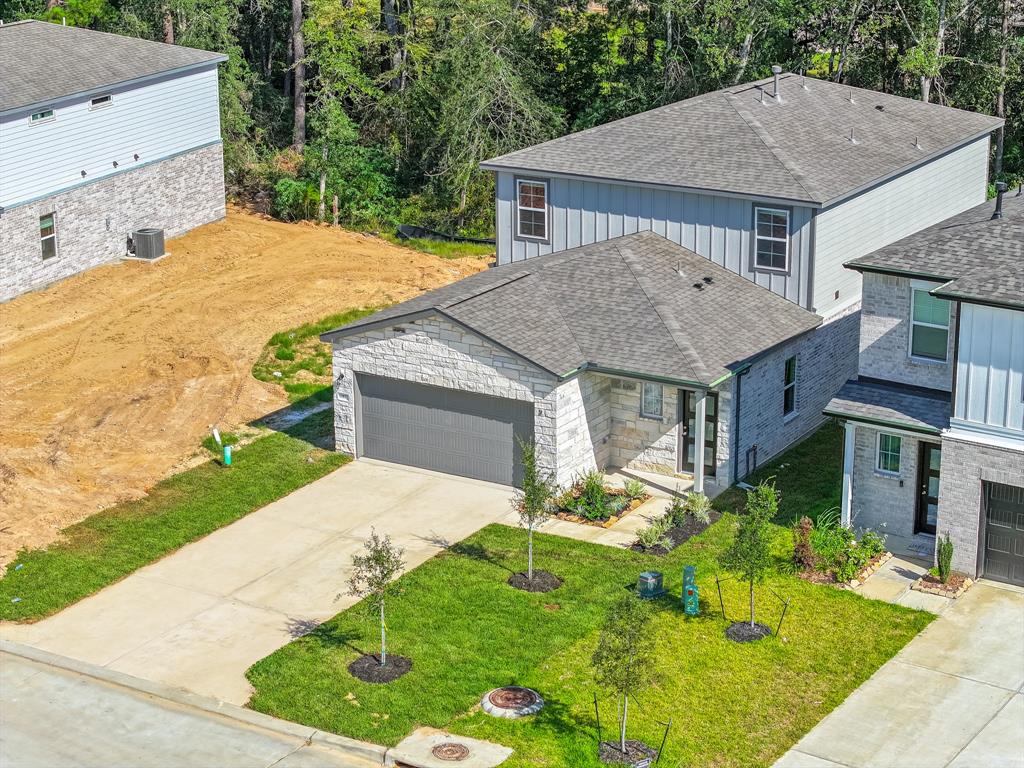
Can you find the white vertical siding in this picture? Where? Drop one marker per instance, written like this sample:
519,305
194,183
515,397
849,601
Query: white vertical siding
155,120
717,227
888,212
990,368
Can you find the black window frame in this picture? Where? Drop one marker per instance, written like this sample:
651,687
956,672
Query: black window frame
789,385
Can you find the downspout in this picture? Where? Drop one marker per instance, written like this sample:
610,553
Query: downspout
737,392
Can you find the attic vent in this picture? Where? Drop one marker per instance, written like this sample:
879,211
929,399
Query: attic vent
699,286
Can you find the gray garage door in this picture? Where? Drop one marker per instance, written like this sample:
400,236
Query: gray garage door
1004,533
460,433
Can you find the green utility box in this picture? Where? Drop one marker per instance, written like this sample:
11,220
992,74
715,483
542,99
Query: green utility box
650,585
691,595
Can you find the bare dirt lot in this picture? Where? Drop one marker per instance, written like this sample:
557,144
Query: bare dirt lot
109,379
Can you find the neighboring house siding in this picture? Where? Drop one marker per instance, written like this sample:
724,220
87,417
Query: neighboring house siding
883,502
885,336
719,228
156,120
990,370
965,466
890,211
94,220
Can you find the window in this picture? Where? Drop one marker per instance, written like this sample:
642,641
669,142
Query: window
42,117
888,453
532,209
789,387
101,101
929,326
771,238
48,235
651,400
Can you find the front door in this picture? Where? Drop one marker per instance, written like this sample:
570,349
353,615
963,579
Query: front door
928,488
688,431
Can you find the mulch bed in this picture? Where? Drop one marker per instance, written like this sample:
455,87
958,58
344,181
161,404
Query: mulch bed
678,535
956,586
815,576
608,522
368,669
636,752
542,582
742,632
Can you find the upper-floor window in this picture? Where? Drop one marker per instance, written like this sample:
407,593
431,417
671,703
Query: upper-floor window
888,453
48,235
41,117
789,387
771,238
929,326
652,403
98,102
532,209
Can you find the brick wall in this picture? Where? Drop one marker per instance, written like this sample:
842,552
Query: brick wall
965,467
93,221
885,336
879,501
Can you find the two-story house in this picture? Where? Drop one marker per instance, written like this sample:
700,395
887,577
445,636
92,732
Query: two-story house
935,418
100,136
669,286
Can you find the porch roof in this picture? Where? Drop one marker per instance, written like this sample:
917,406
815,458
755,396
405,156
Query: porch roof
636,305
885,404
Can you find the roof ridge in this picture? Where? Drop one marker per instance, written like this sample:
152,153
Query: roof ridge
747,117
663,310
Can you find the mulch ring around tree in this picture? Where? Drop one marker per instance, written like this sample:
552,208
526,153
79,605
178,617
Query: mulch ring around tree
742,632
637,753
368,669
677,535
542,582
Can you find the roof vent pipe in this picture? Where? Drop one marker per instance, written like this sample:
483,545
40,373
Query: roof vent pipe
776,71
851,97
1000,188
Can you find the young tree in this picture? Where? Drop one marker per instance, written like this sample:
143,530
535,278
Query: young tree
531,501
750,553
372,574
624,659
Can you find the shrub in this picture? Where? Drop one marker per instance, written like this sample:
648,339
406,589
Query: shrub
653,535
698,506
590,499
803,551
634,489
872,543
284,353
676,512
945,558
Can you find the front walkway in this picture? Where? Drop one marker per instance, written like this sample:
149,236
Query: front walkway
203,615
953,697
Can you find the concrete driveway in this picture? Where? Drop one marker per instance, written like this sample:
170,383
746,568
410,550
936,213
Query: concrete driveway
954,696
201,616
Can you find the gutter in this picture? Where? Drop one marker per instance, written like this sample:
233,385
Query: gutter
591,367
883,423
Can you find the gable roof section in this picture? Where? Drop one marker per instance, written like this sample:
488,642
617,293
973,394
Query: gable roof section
731,141
43,62
635,305
978,258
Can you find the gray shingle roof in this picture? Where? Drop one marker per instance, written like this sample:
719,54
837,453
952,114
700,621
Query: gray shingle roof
981,258
42,62
618,305
884,404
729,141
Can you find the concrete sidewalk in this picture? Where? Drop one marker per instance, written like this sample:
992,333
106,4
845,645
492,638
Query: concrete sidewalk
954,696
55,712
203,615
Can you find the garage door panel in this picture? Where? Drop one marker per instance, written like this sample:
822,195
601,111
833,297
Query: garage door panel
1004,533
444,430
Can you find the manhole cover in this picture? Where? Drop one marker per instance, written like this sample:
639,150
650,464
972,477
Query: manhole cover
451,751
512,701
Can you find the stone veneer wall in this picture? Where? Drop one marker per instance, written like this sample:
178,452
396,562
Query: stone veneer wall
640,442
878,501
583,415
885,336
94,220
965,466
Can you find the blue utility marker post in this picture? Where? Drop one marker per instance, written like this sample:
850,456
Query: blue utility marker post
227,455
691,595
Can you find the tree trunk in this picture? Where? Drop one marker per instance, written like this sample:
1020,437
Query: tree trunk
1001,93
383,638
288,74
334,207
168,26
940,35
322,212
744,57
844,51
622,723
298,78
393,26
529,556
51,4
751,603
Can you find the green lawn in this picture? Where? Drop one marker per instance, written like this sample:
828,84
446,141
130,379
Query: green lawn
809,476
301,363
111,544
444,248
467,631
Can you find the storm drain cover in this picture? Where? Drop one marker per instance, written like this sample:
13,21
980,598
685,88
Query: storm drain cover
512,701
451,751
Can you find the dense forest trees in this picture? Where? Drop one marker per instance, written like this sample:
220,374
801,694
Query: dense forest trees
390,105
